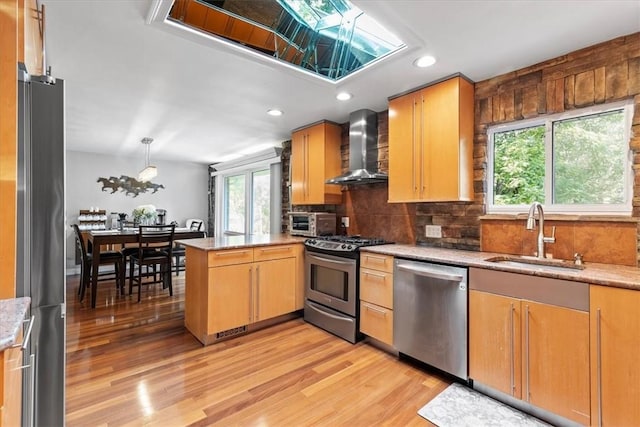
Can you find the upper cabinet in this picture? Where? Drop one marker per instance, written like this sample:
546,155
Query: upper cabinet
315,157
31,36
431,143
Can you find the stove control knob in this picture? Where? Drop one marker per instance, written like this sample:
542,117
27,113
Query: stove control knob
350,247
344,246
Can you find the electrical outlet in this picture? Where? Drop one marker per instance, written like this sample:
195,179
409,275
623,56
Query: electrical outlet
345,221
434,231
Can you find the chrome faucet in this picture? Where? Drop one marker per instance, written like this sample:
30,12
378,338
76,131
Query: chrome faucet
531,224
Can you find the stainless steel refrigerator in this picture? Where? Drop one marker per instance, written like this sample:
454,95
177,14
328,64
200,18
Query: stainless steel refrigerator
40,269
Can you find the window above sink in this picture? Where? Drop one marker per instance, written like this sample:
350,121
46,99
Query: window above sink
574,162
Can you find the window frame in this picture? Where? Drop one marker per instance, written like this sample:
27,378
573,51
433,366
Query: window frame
247,169
547,121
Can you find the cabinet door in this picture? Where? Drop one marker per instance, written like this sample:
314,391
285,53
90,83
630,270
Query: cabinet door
11,402
230,297
404,137
556,360
299,166
615,356
494,341
439,174
275,288
315,157
447,156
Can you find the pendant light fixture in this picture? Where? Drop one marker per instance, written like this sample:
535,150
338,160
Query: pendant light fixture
149,172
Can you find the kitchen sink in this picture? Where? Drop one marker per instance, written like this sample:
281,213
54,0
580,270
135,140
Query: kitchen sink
536,263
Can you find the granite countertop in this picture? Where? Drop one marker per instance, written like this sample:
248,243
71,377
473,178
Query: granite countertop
598,274
12,313
235,242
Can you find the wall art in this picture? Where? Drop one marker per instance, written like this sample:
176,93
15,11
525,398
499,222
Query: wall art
128,185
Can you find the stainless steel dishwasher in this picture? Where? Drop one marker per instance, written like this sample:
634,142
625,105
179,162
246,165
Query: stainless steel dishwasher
430,314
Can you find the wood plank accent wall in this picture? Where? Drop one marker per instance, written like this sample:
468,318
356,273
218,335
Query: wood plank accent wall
606,72
8,144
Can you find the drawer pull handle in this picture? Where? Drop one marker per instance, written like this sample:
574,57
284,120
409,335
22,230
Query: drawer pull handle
278,248
376,310
231,253
381,276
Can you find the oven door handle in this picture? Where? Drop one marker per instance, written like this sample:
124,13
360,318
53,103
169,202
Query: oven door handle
430,273
324,313
332,261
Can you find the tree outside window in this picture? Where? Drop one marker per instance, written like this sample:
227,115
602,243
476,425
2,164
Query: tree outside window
577,162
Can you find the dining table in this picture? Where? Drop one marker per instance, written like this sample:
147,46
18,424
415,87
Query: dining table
98,239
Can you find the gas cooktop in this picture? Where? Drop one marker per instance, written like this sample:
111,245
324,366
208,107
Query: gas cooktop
343,243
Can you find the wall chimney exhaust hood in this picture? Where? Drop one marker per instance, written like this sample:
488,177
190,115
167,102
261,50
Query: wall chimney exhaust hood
363,151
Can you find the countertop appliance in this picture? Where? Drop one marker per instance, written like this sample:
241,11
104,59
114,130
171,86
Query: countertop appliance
430,314
41,241
332,283
312,224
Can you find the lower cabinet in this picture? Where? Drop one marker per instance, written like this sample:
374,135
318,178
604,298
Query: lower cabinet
534,351
275,288
11,390
227,289
376,297
615,356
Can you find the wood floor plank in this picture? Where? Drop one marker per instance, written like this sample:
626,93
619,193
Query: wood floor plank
132,364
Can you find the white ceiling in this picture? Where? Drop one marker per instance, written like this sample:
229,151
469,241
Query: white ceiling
202,100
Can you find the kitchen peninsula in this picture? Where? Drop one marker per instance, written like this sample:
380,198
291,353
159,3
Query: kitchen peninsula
234,284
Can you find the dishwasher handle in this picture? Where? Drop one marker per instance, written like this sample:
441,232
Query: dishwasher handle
427,272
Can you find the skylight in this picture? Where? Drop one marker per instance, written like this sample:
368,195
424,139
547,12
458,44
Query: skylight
330,38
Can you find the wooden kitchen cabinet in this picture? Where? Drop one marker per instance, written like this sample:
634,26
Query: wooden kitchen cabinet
275,292
536,351
556,360
431,143
615,352
230,297
11,390
495,342
315,157
376,296
232,288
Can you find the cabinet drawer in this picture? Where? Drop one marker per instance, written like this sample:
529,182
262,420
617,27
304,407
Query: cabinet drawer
376,287
230,257
377,322
376,261
265,253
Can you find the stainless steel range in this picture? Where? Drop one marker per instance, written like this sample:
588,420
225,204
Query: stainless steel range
332,283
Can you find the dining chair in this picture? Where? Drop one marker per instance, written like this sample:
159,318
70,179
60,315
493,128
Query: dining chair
155,248
106,258
179,251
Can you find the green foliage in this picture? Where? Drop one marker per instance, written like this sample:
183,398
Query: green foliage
519,166
588,162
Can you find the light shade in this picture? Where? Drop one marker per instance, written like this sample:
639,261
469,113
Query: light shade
343,96
148,173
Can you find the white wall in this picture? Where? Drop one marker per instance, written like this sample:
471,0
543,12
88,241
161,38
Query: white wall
185,194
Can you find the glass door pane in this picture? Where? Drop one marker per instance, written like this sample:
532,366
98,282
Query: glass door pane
235,203
260,205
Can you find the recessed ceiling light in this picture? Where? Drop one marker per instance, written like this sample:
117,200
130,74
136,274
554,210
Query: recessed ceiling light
424,61
274,112
344,96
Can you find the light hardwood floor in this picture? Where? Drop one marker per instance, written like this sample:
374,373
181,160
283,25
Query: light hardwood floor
135,364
